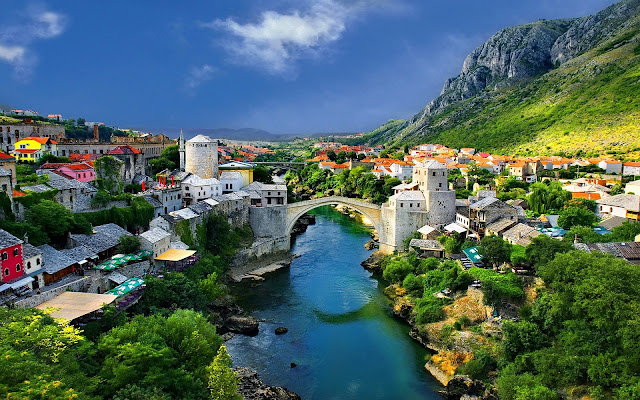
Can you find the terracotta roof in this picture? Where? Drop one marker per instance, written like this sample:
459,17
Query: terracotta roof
78,167
27,151
632,164
124,150
612,161
52,165
41,140
18,194
5,156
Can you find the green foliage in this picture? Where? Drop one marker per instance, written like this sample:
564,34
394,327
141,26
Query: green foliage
480,366
169,159
33,198
429,309
215,236
108,174
582,331
547,199
174,290
518,255
138,214
495,250
52,218
211,288
170,354
497,286
223,382
397,270
41,356
184,232
427,264
50,158
543,249
414,285
261,174
576,216
128,244
616,189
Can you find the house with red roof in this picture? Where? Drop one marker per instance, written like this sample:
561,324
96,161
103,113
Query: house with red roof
82,172
31,148
631,168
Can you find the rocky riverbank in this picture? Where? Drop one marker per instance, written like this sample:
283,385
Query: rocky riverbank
452,350
251,387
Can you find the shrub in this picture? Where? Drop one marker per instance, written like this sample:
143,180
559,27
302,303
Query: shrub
397,270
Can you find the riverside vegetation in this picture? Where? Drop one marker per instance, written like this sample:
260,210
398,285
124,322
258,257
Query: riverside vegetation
570,330
165,347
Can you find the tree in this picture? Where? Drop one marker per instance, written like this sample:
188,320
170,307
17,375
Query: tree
54,219
108,174
331,155
261,174
50,158
352,155
81,121
576,216
128,244
616,189
544,249
397,270
495,250
223,382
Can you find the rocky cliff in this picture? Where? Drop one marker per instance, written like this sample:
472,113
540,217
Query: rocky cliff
510,63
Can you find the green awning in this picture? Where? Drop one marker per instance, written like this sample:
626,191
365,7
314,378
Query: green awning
114,263
127,286
473,253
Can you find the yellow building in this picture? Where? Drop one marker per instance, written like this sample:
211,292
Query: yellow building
30,149
245,169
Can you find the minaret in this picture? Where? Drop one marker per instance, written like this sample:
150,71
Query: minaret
182,154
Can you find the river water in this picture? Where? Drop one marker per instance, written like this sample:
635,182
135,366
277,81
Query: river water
342,337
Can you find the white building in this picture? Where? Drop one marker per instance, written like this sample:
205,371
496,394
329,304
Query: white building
156,240
632,187
32,262
402,170
231,181
266,195
611,166
631,168
195,189
410,200
621,205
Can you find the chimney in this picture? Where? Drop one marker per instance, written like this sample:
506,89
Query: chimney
96,134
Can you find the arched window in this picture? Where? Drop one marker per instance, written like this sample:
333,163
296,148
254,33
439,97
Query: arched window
18,267
6,272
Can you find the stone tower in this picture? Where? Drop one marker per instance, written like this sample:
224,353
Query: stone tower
182,155
432,182
201,157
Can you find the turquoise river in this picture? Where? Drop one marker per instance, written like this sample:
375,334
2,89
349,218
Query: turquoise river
342,336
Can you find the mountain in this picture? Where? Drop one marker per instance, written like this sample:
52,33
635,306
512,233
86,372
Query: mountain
244,134
549,87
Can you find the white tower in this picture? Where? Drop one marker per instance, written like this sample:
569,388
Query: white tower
182,155
201,155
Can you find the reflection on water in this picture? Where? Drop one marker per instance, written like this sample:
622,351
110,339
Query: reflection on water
341,335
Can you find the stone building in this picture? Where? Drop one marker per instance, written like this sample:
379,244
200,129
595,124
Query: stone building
201,157
231,181
12,133
133,162
156,240
266,195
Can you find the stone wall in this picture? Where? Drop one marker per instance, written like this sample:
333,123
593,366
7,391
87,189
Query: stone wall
441,207
8,133
136,270
80,285
261,248
268,221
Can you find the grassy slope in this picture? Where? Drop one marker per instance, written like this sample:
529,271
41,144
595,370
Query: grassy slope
590,104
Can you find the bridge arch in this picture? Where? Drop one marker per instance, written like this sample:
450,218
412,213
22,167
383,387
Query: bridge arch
369,210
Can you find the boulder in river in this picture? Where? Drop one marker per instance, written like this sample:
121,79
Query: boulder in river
281,330
251,387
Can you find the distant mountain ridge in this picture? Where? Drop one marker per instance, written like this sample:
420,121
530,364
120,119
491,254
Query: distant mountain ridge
243,134
538,72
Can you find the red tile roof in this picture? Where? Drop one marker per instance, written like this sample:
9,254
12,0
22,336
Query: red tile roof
79,167
5,156
27,151
41,140
18,194
52,165
124,150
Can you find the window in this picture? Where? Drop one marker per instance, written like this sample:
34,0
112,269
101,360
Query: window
433,173
16,251
38,261
5,255
6,272
18,267
401,204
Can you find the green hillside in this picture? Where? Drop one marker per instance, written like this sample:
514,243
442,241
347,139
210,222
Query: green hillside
589,105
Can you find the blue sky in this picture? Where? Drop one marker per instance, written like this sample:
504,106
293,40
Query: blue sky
284,66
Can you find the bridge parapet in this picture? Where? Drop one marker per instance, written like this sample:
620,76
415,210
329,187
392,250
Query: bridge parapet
369,210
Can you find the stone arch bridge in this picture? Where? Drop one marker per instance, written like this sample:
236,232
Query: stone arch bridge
369,210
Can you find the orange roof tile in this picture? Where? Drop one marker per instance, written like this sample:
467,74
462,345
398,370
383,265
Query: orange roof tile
17,193
39,139
632,164
5,156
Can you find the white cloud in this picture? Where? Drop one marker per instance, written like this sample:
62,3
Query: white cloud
198,75
15,40
277,40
